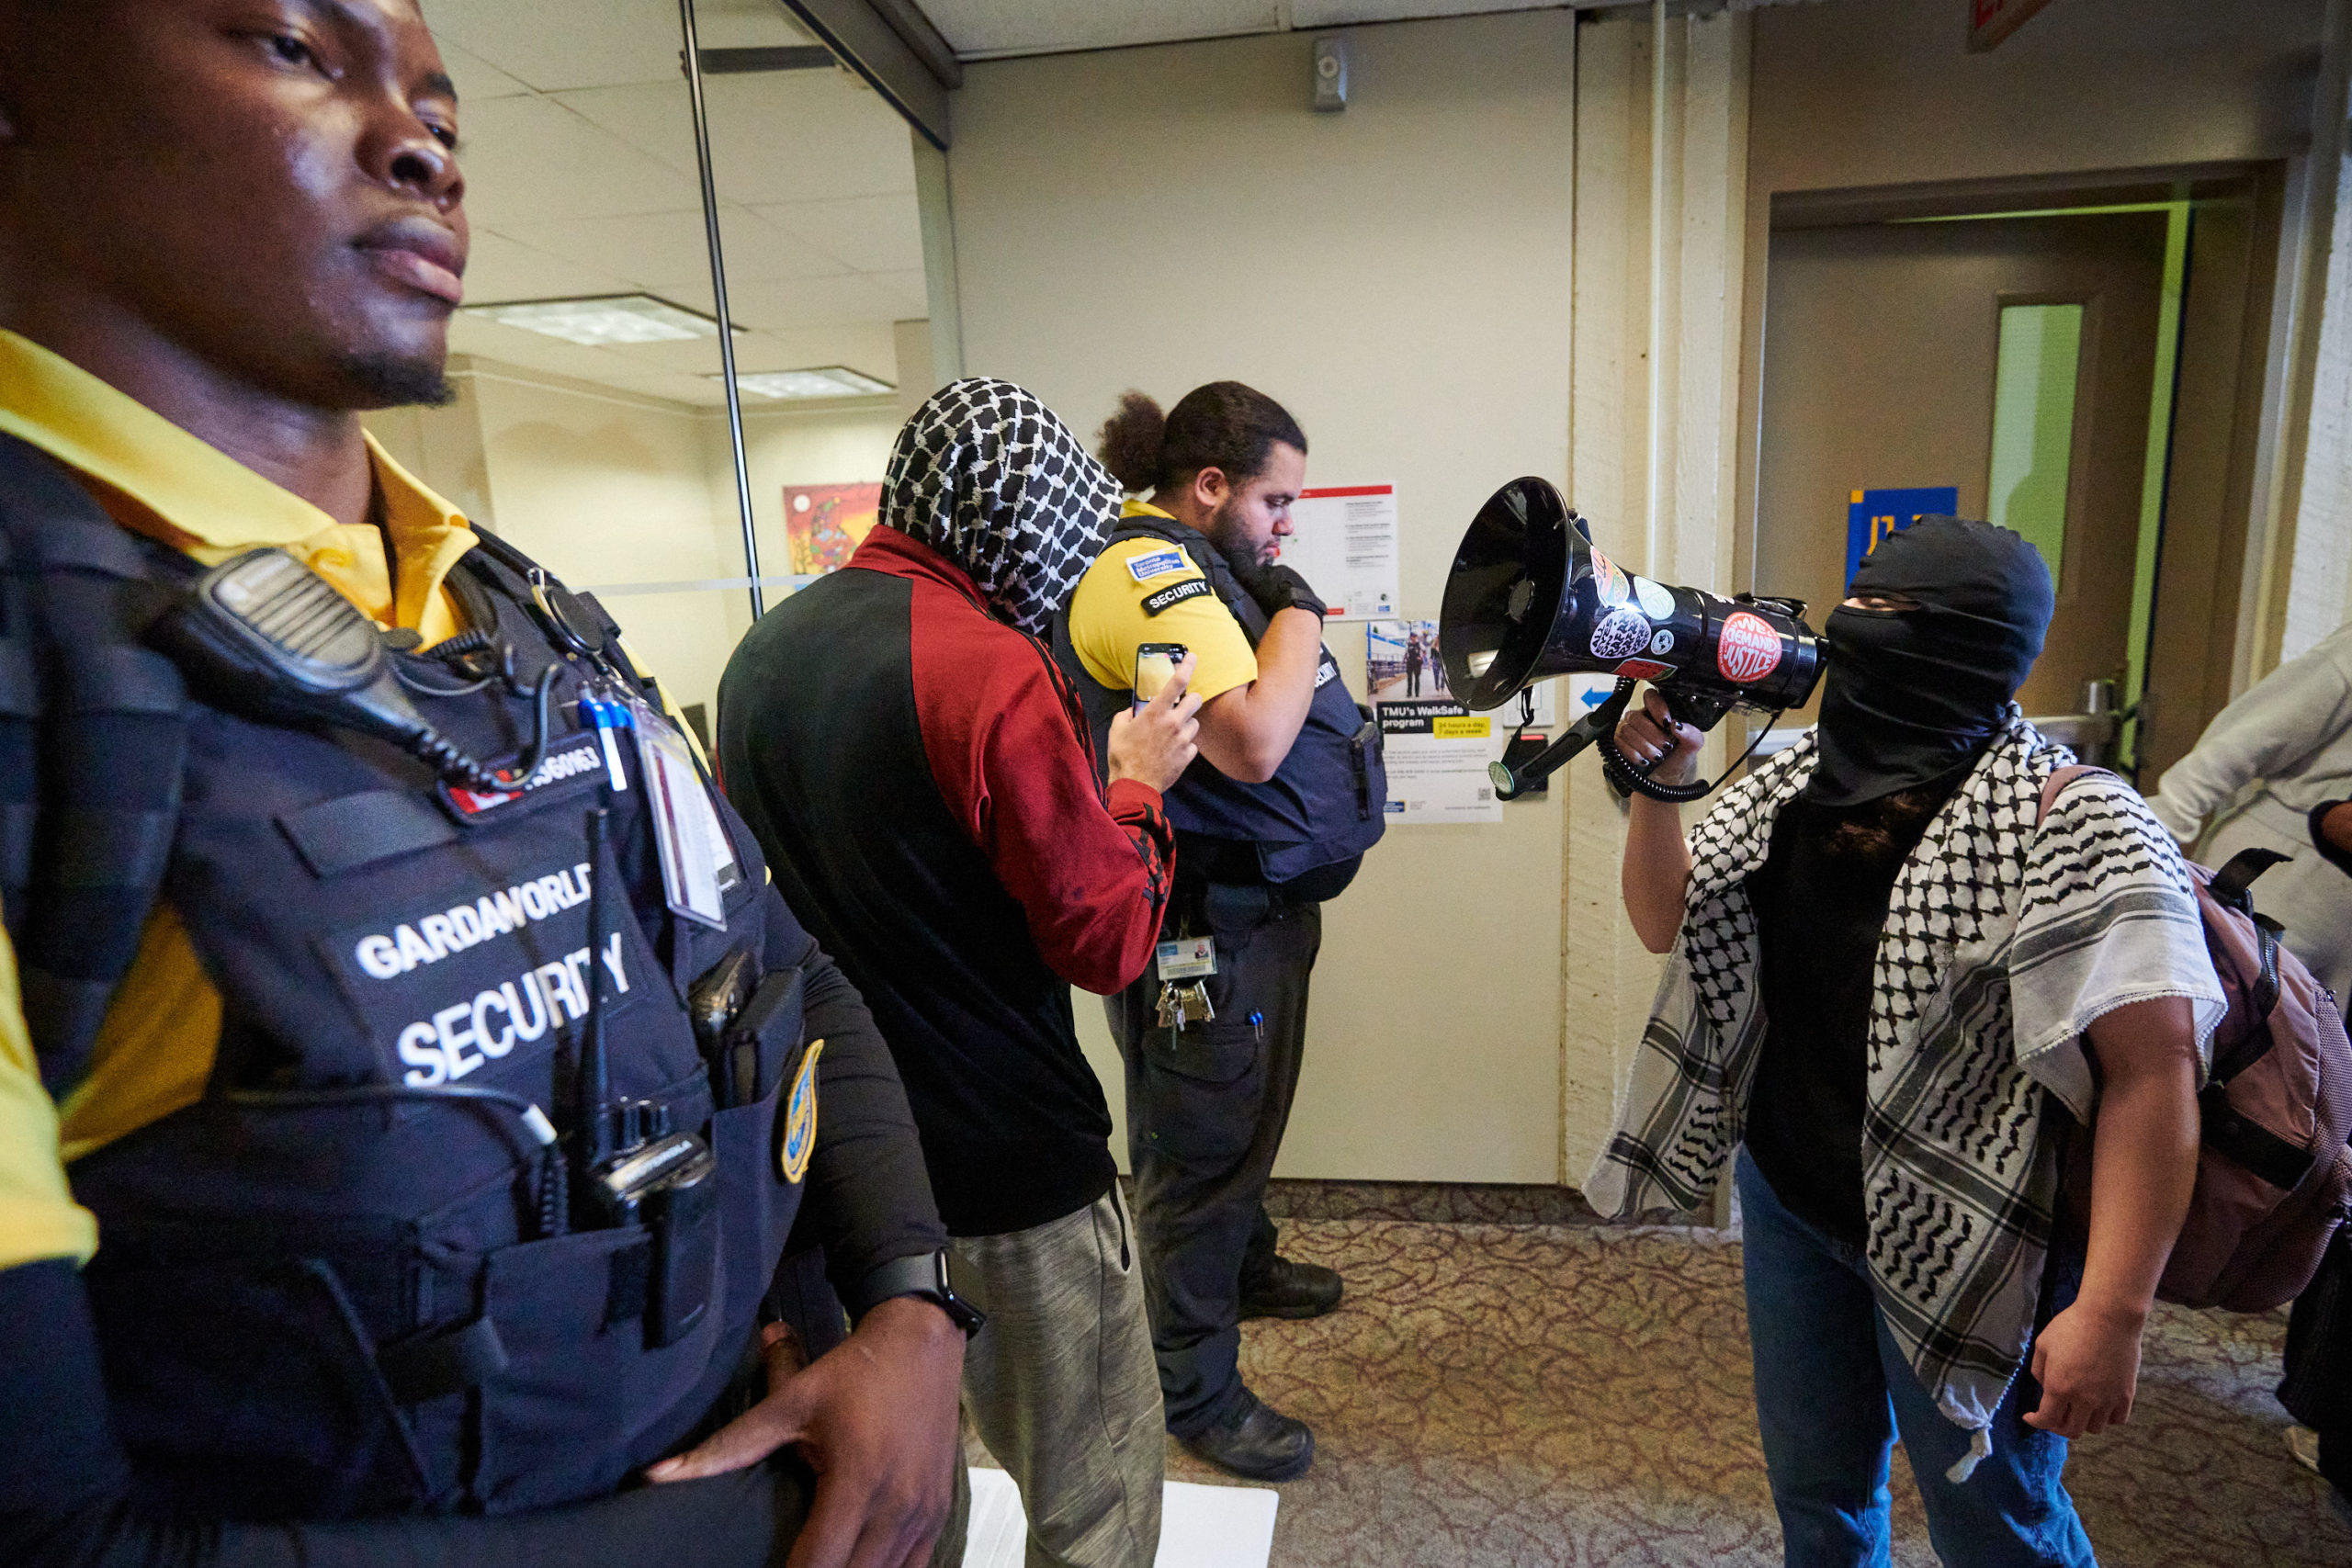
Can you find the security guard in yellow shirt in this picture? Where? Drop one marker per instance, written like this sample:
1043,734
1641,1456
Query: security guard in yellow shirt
1272,819
369,1189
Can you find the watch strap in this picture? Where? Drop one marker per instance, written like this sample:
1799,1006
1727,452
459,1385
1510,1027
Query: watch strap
922,1274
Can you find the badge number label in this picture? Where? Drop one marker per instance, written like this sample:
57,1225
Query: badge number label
572,763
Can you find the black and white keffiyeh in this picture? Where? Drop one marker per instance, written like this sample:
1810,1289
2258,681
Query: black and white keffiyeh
2004,941
991,479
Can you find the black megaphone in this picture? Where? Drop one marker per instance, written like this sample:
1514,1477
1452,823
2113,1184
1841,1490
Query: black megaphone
1530,597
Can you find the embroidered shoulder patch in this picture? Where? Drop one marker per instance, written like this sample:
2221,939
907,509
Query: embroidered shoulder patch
1158,563
797,1128
1174,594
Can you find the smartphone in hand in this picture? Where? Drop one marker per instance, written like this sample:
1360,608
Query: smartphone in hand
1155,667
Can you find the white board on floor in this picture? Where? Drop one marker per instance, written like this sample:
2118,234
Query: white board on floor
1200,1526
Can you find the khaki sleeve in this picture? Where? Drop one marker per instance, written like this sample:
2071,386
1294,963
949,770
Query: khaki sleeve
38,1215
1113,612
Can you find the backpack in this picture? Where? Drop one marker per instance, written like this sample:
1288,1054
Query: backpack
2274,1173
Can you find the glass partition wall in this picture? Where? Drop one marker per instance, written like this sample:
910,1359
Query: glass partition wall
591,423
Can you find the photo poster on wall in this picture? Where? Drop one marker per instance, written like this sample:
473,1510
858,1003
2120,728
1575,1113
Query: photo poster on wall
824,523
1436,749
1346,546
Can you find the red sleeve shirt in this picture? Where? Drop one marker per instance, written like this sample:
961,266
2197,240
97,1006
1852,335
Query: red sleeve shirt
1008,748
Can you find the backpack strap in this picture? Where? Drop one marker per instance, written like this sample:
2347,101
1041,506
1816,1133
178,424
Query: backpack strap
2233,883
95,728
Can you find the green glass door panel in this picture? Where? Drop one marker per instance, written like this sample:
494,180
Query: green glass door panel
2034,423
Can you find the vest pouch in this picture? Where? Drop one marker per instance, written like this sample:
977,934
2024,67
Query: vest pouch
763,1041
757,1204
566,1417
298,1423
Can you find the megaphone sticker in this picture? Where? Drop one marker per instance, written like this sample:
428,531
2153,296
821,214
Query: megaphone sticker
1621,634
1748,649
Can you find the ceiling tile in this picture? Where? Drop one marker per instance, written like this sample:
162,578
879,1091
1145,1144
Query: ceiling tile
867,345
869,234
782,136
529,159
746,24
678,388
1309,14
1019,26
666,251
553,44
699,357
906,290
477,80
503,268
789,303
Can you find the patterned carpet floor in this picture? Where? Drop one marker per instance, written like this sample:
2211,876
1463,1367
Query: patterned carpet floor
1495,1394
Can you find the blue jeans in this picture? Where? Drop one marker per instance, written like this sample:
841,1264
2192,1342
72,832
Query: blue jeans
1832,1389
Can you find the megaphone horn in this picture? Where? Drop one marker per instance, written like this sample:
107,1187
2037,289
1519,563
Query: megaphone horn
1530,596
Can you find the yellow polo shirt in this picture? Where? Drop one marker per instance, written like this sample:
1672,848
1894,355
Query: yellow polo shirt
1142,590
156,1049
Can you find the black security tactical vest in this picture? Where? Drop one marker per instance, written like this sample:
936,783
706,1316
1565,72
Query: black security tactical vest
1325,806
333,1286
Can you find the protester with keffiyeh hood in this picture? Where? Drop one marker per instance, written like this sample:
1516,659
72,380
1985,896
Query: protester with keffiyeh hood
1891,982
988,478
915,766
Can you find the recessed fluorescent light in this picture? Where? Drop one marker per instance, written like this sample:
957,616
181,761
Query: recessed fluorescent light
828,381
607,319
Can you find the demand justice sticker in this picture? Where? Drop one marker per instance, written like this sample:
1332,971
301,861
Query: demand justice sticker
1749,648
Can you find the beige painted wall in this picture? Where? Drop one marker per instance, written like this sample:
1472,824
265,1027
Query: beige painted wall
1398,275
815,447
1851,93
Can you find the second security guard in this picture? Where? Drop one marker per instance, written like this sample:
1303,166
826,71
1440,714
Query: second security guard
1270,820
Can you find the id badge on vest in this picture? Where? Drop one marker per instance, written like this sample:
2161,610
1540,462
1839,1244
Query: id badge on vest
698,862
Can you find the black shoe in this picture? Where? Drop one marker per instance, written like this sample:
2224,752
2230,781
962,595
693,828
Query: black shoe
1257,1443
1289,1289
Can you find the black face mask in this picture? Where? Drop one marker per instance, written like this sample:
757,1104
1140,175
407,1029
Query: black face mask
1914,693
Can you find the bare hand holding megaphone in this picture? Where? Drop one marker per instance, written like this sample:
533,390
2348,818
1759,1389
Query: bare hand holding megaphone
1530,597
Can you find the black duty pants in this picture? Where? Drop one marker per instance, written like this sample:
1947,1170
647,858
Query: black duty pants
1207,1107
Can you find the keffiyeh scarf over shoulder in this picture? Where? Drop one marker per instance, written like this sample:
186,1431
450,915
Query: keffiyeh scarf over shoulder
2002,943
988,476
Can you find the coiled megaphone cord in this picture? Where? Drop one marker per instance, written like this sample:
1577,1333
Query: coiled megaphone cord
1627,775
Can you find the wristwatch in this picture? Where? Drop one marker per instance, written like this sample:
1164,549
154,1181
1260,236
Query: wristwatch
924,1274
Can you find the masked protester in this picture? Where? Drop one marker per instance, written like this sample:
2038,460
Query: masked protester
920,776
1893,981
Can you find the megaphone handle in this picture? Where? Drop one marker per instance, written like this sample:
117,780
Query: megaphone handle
1510,782
1633,777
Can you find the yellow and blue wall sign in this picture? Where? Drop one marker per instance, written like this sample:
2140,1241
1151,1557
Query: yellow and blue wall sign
1872,514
